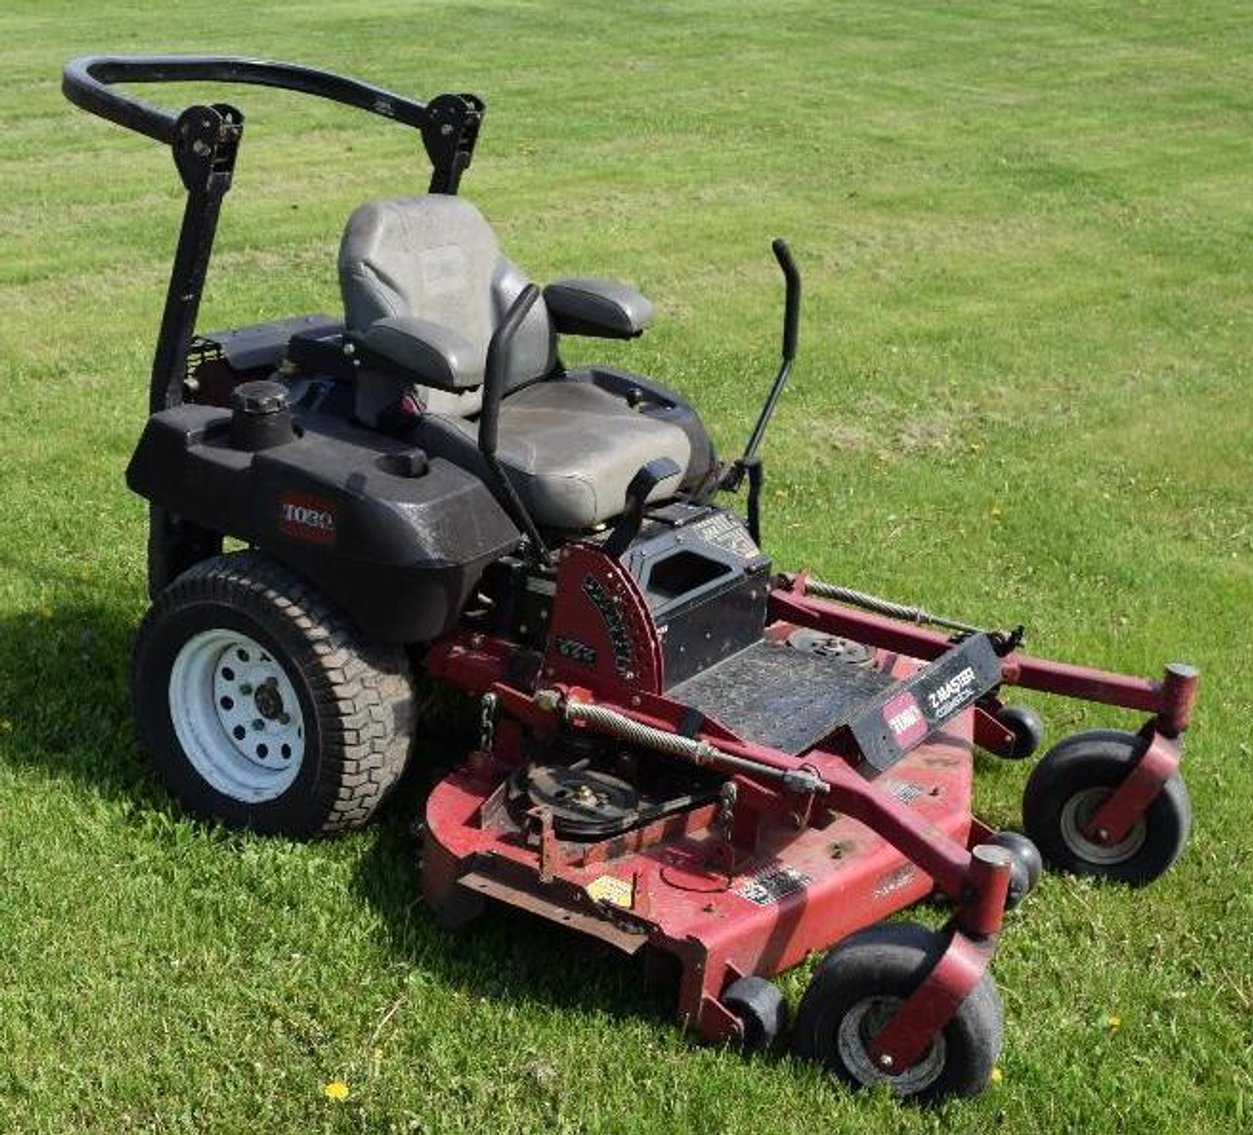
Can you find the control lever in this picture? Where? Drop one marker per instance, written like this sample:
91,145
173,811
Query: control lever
749,464
489,419
791,322
638,491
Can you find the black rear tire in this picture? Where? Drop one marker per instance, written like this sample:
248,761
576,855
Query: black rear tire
262,706
1075,777
856,989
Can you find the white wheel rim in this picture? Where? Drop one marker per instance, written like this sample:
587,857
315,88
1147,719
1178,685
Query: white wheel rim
857,1029
1076,814
236,715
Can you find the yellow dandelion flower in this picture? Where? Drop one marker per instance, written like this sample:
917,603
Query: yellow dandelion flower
997,1075
335,1090
1113,1023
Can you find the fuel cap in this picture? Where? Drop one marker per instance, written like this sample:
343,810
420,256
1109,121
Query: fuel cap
260,397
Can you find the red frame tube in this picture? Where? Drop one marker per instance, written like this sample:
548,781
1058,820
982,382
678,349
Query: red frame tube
1171,700
948,863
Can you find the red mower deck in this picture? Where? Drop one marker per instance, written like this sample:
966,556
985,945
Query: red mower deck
682,887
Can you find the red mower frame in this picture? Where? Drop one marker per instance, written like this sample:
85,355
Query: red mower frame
777,798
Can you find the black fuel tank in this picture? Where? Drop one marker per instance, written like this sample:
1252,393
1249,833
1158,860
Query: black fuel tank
395,539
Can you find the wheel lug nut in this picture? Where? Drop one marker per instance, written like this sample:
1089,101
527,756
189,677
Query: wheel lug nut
245,689
258,724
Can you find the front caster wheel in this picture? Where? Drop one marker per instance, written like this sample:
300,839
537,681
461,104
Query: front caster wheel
1025,868
261,706
1068,786
1026,727
760,1008
856,990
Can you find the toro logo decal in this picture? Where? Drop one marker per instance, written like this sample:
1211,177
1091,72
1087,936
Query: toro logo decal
905,720
305,517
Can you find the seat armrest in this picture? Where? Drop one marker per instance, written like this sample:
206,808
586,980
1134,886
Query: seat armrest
421,352
604,309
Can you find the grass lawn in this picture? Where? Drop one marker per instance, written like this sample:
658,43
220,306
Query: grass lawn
1024,394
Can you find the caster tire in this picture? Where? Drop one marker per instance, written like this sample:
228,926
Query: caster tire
1025,868
1027,727
261,706
858,987
1072,781
761,1009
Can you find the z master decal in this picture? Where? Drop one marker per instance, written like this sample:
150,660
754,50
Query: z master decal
886,729
951,696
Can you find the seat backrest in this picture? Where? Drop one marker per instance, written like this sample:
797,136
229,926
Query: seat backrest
436,258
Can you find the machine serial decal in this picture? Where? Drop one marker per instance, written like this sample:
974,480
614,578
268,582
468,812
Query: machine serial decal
615,625
773,885
305,517
612,890
906,791
894,880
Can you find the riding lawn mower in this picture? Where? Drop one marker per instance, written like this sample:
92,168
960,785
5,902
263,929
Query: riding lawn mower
681,749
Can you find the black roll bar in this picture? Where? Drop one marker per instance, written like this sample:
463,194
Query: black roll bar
205,141
449,123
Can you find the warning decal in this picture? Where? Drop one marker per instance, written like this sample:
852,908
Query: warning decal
611,889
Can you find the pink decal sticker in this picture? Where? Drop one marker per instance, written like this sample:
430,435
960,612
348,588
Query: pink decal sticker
905,720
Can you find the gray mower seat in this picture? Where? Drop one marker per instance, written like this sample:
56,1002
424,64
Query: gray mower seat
428,268
570,449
